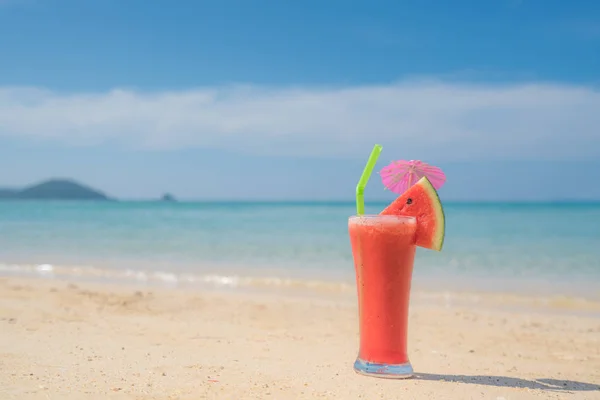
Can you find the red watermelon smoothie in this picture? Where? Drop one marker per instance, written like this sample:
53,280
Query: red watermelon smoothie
383,247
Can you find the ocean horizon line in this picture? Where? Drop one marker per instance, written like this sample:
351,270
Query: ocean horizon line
565,202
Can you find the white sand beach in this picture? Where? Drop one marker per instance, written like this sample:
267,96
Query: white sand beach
61,340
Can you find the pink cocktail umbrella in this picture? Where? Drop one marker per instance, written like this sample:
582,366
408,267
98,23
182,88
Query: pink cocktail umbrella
400,175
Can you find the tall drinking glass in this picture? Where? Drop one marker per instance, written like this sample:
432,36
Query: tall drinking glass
384,251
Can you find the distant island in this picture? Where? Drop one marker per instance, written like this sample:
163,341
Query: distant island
168,197
54,189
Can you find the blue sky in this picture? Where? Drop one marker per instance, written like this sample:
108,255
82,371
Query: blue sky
280,99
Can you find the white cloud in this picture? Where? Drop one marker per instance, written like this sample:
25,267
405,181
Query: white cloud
428,119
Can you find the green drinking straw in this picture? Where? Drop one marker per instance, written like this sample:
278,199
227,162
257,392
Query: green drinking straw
364,178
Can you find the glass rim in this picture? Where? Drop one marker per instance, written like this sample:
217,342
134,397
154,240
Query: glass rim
392,217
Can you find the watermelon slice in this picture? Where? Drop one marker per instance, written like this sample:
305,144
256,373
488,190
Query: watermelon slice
422,202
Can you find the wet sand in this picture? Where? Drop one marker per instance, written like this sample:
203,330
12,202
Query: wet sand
61,340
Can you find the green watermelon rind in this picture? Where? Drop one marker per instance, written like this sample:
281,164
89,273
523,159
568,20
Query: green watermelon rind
437,240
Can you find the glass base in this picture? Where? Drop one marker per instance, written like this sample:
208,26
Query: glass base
390,371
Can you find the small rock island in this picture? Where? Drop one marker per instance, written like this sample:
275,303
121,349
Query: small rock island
168,197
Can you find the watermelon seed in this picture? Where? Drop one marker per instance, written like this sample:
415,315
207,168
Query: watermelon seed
409,201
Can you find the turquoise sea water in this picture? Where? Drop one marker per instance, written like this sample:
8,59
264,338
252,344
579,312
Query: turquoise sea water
505,246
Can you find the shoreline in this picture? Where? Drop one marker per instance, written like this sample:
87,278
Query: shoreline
439,290
62,339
